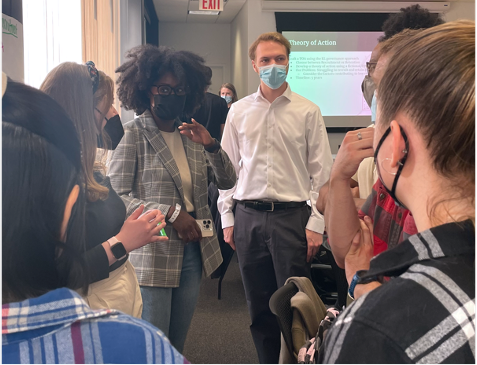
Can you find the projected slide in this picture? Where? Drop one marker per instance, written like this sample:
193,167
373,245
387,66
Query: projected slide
329,67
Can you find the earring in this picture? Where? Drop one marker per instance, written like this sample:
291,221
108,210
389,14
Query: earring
390,168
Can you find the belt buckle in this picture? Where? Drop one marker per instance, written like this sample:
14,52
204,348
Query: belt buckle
273,208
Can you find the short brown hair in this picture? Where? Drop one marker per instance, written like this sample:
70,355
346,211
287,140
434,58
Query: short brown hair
266,37
389,44
431,79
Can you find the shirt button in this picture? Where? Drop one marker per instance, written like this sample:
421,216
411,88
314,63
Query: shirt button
399,215
382,196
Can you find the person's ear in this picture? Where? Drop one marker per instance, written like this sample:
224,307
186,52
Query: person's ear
398,144
255,68
72,198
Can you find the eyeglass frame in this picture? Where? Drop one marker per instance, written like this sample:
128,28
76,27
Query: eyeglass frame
185,88
368,66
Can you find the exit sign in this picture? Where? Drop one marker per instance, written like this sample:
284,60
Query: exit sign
215,5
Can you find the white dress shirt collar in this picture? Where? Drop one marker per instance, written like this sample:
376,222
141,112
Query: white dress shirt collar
287,93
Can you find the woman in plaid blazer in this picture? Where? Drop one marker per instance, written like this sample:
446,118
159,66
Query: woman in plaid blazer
167,165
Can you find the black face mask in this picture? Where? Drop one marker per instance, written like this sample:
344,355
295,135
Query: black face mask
115,131
168,107
368,87
392,192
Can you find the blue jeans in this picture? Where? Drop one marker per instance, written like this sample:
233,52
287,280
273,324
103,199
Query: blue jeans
171,309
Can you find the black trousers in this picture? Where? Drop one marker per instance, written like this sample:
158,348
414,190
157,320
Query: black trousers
271,247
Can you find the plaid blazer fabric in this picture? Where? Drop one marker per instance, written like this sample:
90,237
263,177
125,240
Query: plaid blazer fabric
143,171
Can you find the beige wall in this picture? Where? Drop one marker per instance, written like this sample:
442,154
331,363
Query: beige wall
239,51
210,41
460,10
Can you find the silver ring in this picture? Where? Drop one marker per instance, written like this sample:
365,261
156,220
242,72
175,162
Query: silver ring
360,137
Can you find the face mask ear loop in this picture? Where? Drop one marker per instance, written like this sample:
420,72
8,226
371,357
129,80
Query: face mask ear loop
380,143
401,162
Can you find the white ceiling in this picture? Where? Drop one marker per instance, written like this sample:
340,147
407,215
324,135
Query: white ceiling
176,11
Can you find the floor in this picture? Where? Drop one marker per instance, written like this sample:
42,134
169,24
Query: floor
219,333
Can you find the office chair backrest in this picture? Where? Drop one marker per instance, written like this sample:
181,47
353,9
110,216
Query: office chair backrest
280,307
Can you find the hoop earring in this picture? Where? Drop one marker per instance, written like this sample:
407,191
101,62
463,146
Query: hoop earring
384,168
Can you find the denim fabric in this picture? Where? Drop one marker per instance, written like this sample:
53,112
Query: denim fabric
171,309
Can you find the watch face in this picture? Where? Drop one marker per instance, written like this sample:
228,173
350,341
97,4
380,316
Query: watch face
118,250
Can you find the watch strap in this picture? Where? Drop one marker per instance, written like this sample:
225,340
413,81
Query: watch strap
112,241
352,285
174,215
357,279
368,279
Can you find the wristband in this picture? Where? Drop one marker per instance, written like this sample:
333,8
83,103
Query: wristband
174,215
215,147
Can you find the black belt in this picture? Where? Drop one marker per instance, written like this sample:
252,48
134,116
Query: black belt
270,206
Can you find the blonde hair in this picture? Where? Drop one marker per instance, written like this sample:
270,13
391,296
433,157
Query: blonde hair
266,37
70,85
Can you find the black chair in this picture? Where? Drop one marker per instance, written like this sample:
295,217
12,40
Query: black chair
281,308
328,279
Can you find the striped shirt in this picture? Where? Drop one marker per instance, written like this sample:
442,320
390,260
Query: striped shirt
59,327
424,314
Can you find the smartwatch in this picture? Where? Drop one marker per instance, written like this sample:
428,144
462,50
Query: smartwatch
357,279
117,248
174,215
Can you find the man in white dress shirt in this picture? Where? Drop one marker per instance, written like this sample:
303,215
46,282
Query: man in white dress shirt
278,143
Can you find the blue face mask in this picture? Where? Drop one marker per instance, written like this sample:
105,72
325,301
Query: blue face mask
227,98
273,76
373,108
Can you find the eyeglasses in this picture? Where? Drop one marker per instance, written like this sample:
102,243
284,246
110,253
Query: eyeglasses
371,66
166,90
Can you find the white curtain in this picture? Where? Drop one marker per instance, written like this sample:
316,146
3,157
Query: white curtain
52,35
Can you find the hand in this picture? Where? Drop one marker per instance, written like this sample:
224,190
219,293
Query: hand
111,112
355,192
187,227
361,251
352,152
197,133
314,241
140,229
229,236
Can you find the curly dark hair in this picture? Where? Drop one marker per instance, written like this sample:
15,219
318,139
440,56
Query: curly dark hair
412,17
148,63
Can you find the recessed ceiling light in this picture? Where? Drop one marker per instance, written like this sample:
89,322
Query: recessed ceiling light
204,12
